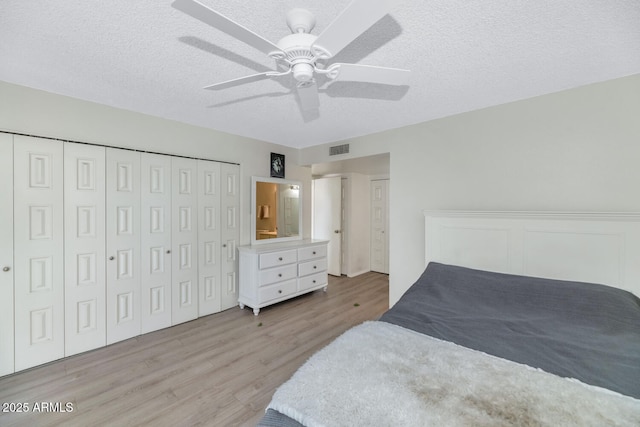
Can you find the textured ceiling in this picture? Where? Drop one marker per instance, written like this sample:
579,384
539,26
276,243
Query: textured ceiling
146,56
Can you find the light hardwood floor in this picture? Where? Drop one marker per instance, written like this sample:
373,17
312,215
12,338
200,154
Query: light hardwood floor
219,370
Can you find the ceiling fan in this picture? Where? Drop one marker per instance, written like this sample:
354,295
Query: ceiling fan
303,54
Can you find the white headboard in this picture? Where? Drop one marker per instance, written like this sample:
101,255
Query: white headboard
588,247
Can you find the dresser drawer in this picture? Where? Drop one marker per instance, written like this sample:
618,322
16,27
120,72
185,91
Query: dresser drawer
273,259
312,281
277,274
312,252
278,290
310,267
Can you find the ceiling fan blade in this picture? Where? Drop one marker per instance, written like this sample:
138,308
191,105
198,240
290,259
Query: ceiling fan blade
209,16
242,80
369,74
353,21
308,93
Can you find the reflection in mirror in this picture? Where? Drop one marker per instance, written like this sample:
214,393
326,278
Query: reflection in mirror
276,209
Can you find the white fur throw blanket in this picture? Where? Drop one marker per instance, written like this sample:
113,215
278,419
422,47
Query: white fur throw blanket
379,374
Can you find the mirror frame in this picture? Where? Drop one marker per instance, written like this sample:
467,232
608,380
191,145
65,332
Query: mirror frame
254,181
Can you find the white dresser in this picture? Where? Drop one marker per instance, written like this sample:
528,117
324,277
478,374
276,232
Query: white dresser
274,272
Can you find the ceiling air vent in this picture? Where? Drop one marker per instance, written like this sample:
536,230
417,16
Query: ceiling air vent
339,149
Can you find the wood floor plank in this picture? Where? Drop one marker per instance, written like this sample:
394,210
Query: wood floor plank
219,370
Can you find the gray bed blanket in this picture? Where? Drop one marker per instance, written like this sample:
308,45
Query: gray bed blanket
585,331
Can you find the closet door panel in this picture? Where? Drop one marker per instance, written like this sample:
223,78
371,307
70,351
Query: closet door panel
6,255
184,240
123,245
209,247
230,233
379,226
38,251
156,242
85,281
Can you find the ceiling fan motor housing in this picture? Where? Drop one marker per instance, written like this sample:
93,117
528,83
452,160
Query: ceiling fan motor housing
297,48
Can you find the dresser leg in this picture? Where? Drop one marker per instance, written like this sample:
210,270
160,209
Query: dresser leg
325,289
256,311
241,305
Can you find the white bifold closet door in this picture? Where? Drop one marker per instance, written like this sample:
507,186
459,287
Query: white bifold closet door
38,251
123,245
84,247
156,242
184,240
6,255
98,245
229,233
208,237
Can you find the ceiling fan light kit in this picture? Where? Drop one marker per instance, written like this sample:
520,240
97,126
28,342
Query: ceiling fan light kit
303,53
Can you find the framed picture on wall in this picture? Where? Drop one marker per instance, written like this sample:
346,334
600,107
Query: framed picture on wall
277,165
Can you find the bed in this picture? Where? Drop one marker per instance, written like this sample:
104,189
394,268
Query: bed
471,346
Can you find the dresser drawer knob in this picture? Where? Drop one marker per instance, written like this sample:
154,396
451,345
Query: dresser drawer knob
279,274
314,281
314,252
279,291
280,259
315,266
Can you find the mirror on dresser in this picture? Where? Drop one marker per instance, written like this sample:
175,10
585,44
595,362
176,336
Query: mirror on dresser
276,210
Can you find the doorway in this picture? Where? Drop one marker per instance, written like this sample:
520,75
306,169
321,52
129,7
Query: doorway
355,231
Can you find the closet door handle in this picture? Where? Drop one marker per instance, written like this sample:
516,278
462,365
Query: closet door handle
168,251
5,269
111,258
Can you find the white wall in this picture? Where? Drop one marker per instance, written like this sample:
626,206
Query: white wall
34,112
576,150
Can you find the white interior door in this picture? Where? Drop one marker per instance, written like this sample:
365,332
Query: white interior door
6,255
379,226
327,211
229,233
344,227
155,242
184,240
208,237
84,247
39,248
123,244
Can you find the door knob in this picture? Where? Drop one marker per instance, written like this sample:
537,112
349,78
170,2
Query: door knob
336,231
5,269
111,258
